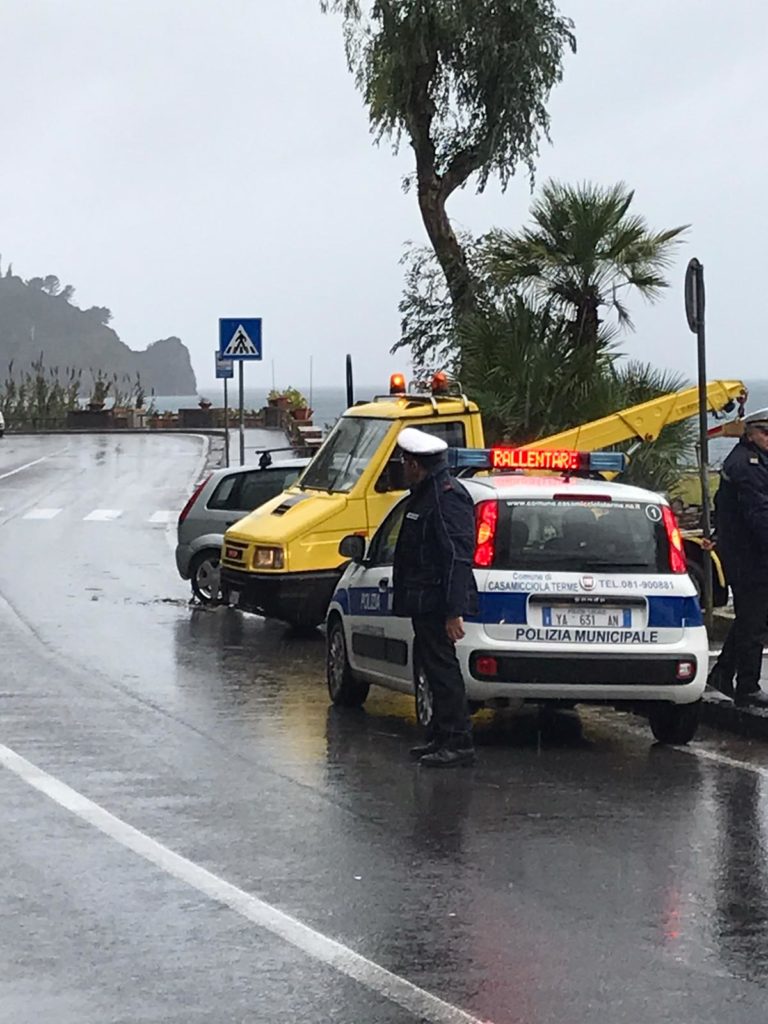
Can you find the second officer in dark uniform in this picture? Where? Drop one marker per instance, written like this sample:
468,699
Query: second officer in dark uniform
434,585
741,520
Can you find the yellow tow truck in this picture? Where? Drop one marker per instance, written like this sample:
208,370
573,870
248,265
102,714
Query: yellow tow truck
283,559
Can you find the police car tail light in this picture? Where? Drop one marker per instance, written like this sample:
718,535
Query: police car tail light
397,384
677,560
195,495
486,521
685,670
486,665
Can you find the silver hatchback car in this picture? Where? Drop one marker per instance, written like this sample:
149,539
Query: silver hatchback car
216,504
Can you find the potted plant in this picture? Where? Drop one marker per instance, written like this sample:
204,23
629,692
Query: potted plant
278,399
297,404
101,388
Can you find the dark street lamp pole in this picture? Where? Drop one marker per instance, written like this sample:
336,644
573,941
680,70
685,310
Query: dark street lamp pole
694,310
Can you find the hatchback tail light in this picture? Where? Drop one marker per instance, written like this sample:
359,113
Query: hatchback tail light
486,521
195,495
677,560
487,665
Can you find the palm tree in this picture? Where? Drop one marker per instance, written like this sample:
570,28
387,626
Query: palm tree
583,251
658,464
521,366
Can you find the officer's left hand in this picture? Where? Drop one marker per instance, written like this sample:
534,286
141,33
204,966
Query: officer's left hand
455,629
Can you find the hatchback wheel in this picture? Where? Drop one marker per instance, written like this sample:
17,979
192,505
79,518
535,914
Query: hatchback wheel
674,724
345,690
205,576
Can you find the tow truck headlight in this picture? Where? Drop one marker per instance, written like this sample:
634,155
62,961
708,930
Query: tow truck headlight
268,558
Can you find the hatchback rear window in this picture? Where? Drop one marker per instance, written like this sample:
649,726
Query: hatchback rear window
245,491
581,536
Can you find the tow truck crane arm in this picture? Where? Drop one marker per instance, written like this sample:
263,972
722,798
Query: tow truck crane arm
646,421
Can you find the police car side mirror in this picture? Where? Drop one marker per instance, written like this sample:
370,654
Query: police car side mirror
353,547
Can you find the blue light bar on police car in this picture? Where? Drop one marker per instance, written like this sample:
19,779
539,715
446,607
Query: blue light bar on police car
542,460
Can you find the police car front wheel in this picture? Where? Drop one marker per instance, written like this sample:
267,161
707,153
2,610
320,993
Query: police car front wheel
674,724
345,690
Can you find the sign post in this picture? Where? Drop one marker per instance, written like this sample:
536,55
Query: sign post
225,371
694,311
240,341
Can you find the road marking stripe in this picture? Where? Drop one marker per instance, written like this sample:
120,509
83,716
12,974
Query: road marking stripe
42,513
163,516
29,465
695,751
103,515
422,1004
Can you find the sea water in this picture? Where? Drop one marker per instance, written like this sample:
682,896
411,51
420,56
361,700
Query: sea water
329,403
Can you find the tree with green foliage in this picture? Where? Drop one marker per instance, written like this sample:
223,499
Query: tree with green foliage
583,253
521,366
466,82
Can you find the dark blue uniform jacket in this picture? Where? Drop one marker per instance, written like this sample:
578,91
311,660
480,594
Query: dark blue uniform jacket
741,515
432,572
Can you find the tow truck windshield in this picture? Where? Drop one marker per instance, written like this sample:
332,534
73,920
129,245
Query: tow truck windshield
345,455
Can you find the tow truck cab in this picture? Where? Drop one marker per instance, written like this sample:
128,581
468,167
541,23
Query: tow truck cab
283,560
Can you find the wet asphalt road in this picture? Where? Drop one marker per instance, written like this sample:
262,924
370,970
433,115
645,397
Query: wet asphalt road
576,875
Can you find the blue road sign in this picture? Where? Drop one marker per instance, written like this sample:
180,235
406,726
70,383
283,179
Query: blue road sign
240,338
225,368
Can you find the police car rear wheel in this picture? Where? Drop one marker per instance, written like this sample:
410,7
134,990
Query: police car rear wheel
425,707
674,724
345,691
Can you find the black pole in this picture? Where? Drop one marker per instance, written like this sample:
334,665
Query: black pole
242,412
350,384
695,308
226,424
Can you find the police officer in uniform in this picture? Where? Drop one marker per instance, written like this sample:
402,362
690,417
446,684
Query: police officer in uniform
741,521
433,583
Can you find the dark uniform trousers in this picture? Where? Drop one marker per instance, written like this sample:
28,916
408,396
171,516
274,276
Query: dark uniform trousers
437,656
741,515
433,581
742,653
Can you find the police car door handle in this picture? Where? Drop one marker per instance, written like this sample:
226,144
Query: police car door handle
384,584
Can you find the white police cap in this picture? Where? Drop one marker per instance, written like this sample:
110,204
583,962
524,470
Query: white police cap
759,417
419,442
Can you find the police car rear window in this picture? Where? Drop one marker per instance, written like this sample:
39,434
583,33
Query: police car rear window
581,536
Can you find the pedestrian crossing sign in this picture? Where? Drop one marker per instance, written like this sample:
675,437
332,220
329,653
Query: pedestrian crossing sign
240,338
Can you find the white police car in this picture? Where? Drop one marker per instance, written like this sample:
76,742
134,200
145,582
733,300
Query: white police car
584,598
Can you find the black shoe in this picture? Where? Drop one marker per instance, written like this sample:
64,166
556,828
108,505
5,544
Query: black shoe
446,758
754,699
426,748
715,682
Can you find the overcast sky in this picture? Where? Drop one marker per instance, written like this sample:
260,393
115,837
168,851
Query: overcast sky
181,160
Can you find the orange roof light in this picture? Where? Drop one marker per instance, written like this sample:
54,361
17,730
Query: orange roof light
440,383
397,384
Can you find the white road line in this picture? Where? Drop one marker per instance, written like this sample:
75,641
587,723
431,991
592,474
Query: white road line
163,516
103,515
695,751
42,513
422,1004
29,465
724,759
